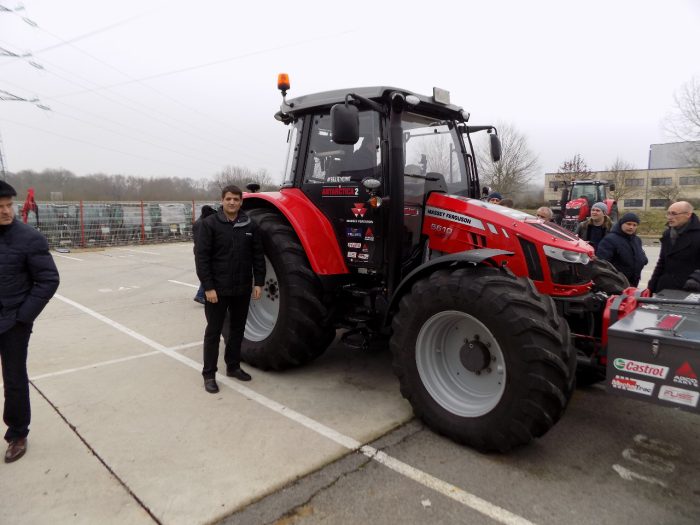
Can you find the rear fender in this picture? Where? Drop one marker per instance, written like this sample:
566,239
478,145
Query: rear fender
455,260
311,226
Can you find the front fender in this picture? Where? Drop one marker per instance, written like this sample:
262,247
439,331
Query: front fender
311,226
455,260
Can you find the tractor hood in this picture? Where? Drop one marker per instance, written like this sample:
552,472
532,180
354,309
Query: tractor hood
553,257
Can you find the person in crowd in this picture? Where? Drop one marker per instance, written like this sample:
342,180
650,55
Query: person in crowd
508,203
28,280
206,212
623,248
678,266
597,226
494,197
545,213
230,264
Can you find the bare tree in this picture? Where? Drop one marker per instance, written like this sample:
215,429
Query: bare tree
683,123
240,176
669,193
574,169
517,166
619,173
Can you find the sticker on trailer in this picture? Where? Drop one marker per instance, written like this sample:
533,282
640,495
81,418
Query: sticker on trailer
679,396
685,375
640,368
636,386
447,215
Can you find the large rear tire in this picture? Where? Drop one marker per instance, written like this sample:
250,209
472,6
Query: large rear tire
482,357
285,327
606,278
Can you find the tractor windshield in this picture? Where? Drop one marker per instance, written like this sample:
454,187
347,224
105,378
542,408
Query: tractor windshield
432,149
592,192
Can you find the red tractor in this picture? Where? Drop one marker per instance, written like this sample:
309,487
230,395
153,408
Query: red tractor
378,229
576,201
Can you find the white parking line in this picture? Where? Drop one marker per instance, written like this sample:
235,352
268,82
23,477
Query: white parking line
183,284
95,365
66,257
136,251
446,489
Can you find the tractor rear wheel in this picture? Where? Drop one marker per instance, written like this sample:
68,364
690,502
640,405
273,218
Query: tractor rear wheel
606,278
285,327
482,357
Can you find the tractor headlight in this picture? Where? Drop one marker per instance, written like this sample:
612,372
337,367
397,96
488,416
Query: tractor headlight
567,256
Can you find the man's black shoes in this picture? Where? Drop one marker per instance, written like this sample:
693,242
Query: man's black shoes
238,374
211,386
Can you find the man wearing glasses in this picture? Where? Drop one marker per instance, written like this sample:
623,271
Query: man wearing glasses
679,262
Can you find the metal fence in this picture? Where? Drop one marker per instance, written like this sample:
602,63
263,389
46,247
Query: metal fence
87,224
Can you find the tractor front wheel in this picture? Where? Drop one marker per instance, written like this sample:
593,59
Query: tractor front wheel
482,357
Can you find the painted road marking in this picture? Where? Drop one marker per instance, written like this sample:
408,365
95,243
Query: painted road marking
136,251
95,365
453,492
183,284
66,257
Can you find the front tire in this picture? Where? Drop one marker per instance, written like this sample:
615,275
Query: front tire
482,357
285,327
606,278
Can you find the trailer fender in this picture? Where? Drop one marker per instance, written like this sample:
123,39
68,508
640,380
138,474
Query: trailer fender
311,226
456,260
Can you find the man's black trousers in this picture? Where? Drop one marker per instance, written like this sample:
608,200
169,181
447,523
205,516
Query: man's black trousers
13,356
237,307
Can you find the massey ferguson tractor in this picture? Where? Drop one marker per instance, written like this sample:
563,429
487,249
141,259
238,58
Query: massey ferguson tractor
378,230
579,196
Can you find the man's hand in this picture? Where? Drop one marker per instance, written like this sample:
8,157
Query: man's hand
211,296
257,292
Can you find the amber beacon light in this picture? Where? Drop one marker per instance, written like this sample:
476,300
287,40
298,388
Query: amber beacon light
283,83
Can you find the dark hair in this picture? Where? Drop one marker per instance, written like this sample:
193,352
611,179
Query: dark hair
231,188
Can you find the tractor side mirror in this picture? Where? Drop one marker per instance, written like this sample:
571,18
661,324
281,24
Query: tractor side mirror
495,147
345,124
253,187
485,191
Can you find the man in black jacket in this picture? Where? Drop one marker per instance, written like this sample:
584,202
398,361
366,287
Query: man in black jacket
230,264
623,248
678,266
28,280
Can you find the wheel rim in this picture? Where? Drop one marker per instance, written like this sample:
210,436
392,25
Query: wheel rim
441,347
263,313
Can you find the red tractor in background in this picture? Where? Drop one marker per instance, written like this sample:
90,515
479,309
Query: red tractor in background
577,199
378,230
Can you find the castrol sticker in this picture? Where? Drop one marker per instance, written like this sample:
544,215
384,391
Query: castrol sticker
680,396
448,215
640,368
630,384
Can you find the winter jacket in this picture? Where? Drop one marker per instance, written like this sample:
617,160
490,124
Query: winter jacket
229,255
624,252
582,230
28,274
677,262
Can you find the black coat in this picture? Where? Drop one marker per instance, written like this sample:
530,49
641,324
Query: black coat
677,262
624,252
28,274
229,256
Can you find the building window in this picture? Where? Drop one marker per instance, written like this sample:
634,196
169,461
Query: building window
658,203
662,181
553,203
689,181
555,184
633,203
634,182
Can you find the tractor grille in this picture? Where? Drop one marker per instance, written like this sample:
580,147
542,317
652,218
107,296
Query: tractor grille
569,273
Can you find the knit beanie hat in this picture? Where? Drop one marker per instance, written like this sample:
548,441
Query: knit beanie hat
495,195
629,217
6,190
601,206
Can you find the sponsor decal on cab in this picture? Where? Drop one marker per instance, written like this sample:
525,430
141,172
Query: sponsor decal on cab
355,233
633,385
685,375
679,395
339,191
643,369
355,245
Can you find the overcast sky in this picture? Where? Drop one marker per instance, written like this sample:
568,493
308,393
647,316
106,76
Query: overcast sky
176,88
